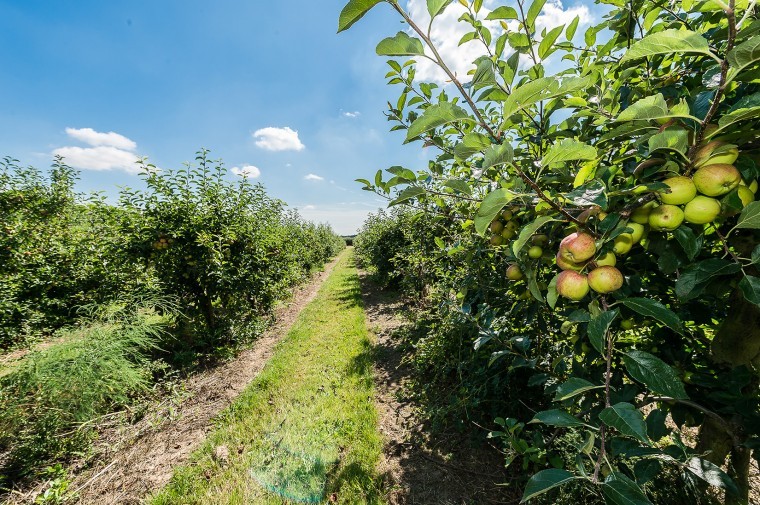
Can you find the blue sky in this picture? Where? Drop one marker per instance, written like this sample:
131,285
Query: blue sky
268,85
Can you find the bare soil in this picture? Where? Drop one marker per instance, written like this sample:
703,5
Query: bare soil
420,468
130,462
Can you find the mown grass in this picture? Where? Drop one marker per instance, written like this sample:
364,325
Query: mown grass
306,428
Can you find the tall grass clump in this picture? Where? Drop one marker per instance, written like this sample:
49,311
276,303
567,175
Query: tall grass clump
49,399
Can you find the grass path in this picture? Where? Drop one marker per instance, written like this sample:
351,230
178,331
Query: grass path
306,428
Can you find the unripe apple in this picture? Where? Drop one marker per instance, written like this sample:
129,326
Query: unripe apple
622,243
572,285
497,240
511,225
753,186
540,239
577,247
496,227
508,233
585,348
682,190
569,265
746,195
514,273
721,154
535,252
666,217
637,233
641,214
606,259
701,210
626,324
716,180
506,215
575,338
706,150
605,279
525,295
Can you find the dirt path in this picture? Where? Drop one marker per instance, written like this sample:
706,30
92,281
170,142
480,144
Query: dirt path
134,461
422,469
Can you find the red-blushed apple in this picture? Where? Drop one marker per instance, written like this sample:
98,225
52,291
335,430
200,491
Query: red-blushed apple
702,210
666,218
716,180
577,247
569,265
514,273
572,285
681,190
605,279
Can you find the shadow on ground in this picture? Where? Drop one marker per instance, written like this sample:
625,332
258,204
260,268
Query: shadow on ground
421,468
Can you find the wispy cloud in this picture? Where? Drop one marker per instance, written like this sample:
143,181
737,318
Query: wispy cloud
109,151
352,115
278,139
313,177
247,171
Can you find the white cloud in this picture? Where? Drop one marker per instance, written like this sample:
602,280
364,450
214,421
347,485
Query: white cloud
247,171
99,158
313,177
352,115
278,139
447,31
309,207
93,138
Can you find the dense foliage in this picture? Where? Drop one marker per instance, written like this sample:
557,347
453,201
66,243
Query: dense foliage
593,201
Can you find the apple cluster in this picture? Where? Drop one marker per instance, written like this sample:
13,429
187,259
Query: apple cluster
503,228
578,254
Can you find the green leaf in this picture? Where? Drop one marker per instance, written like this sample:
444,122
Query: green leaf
750,217
545,47
745,54
690,243
570,33
655,373
458,185
668,42
533,11
556,417
497,154
502,12
750,287
528,94
353,12
400,45
695,278
490,208
651,107
598,327
407,194
712,474
672,139
434,116
620,490
572,387
568,150
435,7
545,480
484,74
736,116
625,418
527,232
472,143
592,193
653,308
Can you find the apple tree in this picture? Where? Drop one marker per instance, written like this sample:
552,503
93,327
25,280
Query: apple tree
616,172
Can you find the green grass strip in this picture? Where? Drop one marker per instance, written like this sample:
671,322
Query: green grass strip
305,429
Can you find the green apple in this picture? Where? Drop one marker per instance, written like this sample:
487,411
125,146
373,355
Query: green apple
514,273
701,210
626,324
497,240
508,233
637,233
535,252
681,190
585,348
721,154
539,239
577,247
716,180
606,259
753,186
569,265
666,217
622,243
572,285
746,195
496,227
641,214
506,215
605,279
